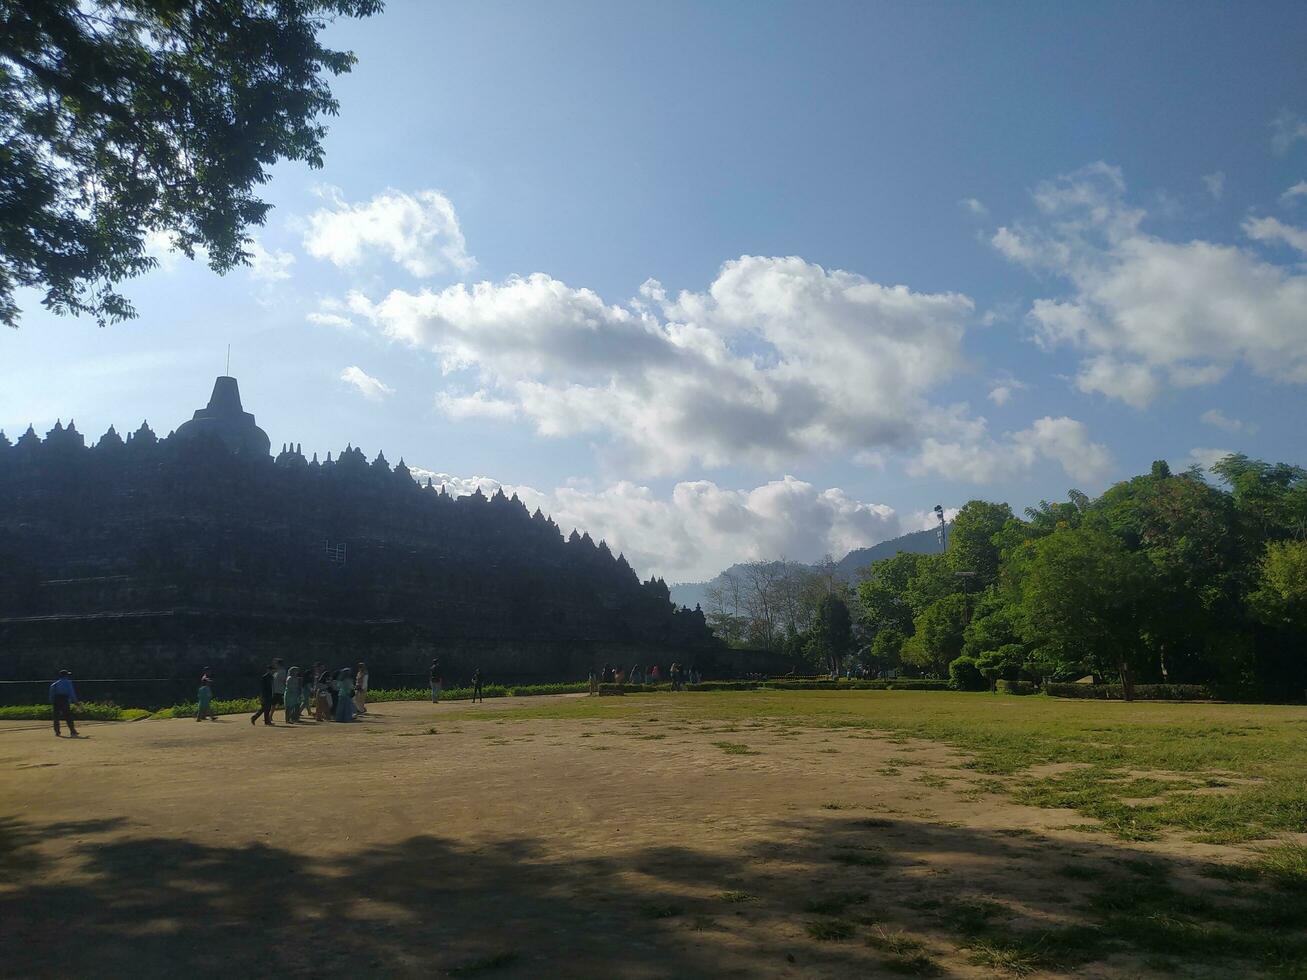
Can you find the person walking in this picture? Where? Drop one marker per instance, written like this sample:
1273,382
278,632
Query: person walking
62,698
265,698
294,686
361,688
476,686
204,698
278,683
437,681
594,681
344,695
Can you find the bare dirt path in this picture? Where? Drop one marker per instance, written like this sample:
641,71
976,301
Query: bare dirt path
422,840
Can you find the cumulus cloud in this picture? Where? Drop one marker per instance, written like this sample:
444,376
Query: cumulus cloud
419,232
268,266
479,404
1182,311
1134,384
1002,389
1294,193
1287,129
1215,184
973,206
973,456
1218,419
369,387
776,359
1273,231
701,528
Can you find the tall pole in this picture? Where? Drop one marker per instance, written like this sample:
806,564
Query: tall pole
942,531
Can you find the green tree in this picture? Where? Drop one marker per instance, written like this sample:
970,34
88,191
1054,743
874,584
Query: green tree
963,675
1188,531
882,594
831,636
124,117
937,639
1083,599
1281,595
971,544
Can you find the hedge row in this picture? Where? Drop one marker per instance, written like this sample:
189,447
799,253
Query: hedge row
1017,687
1143,692
82,710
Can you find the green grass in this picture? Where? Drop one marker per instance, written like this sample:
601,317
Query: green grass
837,903
1192,748
830,930
734,748
737,897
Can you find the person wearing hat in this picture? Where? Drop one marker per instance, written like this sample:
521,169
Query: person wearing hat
62,697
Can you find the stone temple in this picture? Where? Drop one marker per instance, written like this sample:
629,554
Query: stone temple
225,418
153,558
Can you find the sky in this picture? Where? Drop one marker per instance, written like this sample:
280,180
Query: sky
724,282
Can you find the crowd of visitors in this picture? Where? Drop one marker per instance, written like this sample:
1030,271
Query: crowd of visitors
637,676
341,695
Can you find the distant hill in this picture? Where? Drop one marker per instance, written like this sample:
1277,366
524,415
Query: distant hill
921,542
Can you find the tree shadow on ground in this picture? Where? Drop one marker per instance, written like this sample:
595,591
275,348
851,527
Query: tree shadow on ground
838,895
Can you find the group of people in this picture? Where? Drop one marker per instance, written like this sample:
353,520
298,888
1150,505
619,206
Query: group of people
331,695
437,679
676,673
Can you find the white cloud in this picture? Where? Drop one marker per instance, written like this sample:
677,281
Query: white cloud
1206,458
1002,389
418,231
1215,417
977,458
1272,230
1293,193
1134,384
701,528
1190,310
777,359
973,206
1215,184
366,385
330,320
479,404
1287,129
266,265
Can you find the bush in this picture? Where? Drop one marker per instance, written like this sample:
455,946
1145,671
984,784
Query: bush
1143,692
1017,687
85,710
964,675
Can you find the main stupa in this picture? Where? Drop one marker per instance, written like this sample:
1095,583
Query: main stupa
225,418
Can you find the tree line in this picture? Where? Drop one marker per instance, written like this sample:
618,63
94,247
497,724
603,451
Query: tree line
1164,578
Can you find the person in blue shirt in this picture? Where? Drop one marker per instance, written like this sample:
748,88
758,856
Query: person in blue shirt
62,697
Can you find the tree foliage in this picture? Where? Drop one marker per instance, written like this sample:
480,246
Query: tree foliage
1167,577
125,117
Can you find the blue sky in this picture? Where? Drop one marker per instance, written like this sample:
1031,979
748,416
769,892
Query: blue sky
731,281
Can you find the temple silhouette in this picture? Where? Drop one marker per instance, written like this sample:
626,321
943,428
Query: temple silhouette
148,557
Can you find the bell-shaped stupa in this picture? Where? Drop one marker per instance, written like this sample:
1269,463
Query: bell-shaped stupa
225,418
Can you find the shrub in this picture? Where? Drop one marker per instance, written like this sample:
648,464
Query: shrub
1016,687
85,710
1143,692
964,675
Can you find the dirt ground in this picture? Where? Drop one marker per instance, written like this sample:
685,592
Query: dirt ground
422,841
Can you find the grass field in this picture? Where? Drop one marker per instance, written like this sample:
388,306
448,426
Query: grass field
727,834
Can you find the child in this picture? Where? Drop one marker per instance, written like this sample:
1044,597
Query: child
205,698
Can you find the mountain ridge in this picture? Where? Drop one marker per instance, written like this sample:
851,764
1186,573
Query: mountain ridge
921,542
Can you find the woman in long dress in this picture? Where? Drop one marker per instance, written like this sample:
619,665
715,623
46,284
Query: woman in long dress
361,688
322,694
344,695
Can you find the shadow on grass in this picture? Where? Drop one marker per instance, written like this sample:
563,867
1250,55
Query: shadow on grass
935,901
